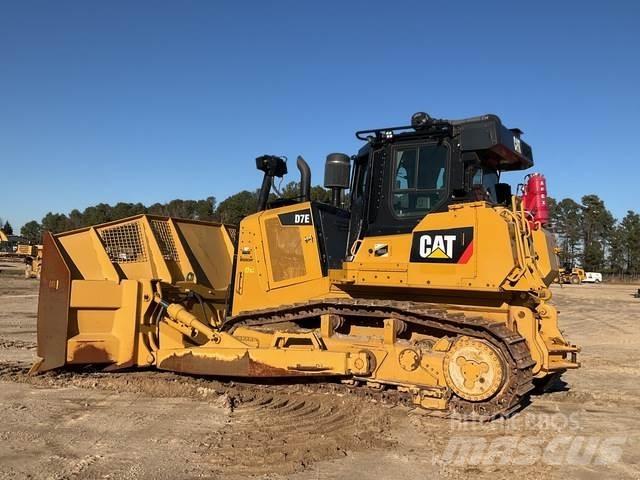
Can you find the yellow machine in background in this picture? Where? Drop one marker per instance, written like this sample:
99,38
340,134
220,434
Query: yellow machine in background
5,245
433,283
575,275
32,255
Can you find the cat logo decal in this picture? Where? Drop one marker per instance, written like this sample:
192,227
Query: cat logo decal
453,245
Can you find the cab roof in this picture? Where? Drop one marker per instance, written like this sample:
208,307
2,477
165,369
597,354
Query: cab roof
495,145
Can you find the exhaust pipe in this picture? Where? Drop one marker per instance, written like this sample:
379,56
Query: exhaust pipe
305,179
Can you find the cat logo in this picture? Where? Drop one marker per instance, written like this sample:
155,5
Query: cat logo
454,245
438,246
517,145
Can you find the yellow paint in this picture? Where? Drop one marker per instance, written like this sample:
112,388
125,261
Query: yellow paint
119,268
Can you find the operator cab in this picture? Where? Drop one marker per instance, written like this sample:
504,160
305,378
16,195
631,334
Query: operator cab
403,173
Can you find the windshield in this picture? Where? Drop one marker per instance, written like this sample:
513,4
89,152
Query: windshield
419,179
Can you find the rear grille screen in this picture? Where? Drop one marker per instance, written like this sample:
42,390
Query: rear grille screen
123,243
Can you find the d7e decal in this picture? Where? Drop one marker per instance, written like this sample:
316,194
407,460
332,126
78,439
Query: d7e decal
300,217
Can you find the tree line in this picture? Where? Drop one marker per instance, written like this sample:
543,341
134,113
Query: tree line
6,227
231,211
587,233
590,236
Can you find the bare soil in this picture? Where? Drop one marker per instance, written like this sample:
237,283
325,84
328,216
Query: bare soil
147,424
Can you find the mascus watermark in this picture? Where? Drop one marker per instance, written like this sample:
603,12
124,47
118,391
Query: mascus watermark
526,450
551,439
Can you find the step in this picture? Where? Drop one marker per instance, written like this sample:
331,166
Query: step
557,348
562,365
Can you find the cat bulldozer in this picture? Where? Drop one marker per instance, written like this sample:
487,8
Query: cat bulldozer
568,274
423,280
32,256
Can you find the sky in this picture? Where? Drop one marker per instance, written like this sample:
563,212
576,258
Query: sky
147,101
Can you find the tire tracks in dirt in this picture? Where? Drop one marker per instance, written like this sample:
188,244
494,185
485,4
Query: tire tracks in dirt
269,429
18,344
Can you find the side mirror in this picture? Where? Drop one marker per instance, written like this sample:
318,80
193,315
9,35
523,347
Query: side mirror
337,174
503,193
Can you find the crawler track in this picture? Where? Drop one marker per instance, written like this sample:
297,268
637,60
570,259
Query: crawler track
428,317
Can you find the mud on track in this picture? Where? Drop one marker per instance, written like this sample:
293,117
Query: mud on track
150,424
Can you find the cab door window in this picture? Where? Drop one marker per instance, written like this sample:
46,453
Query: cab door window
419,179
483,184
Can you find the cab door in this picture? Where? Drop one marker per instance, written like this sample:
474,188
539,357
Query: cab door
359,201
290,245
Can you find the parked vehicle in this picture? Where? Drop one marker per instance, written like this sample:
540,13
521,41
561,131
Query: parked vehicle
592,277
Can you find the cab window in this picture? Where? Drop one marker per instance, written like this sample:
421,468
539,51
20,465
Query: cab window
419,179
483,184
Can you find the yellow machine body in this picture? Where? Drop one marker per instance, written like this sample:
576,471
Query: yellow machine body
27,250
453,314
101,287
285,269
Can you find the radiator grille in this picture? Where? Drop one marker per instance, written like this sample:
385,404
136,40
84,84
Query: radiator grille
233,233
124,243
162,231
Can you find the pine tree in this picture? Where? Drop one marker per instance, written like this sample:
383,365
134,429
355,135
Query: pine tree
630,227
597,225
32,231
566,218
8,229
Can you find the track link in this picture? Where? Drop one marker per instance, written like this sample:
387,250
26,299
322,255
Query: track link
511,397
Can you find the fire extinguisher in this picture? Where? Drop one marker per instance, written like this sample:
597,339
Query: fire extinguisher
534,198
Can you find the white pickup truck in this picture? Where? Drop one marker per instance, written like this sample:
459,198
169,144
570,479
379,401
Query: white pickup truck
592,277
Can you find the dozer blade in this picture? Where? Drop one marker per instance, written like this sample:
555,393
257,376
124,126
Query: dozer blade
97,285
53,307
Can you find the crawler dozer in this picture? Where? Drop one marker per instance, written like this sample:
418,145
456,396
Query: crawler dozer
32,256
424,278
567,274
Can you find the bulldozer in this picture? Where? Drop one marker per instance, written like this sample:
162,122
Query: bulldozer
424,278
32,256
572,275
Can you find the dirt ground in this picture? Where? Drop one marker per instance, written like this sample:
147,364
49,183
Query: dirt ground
146,424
